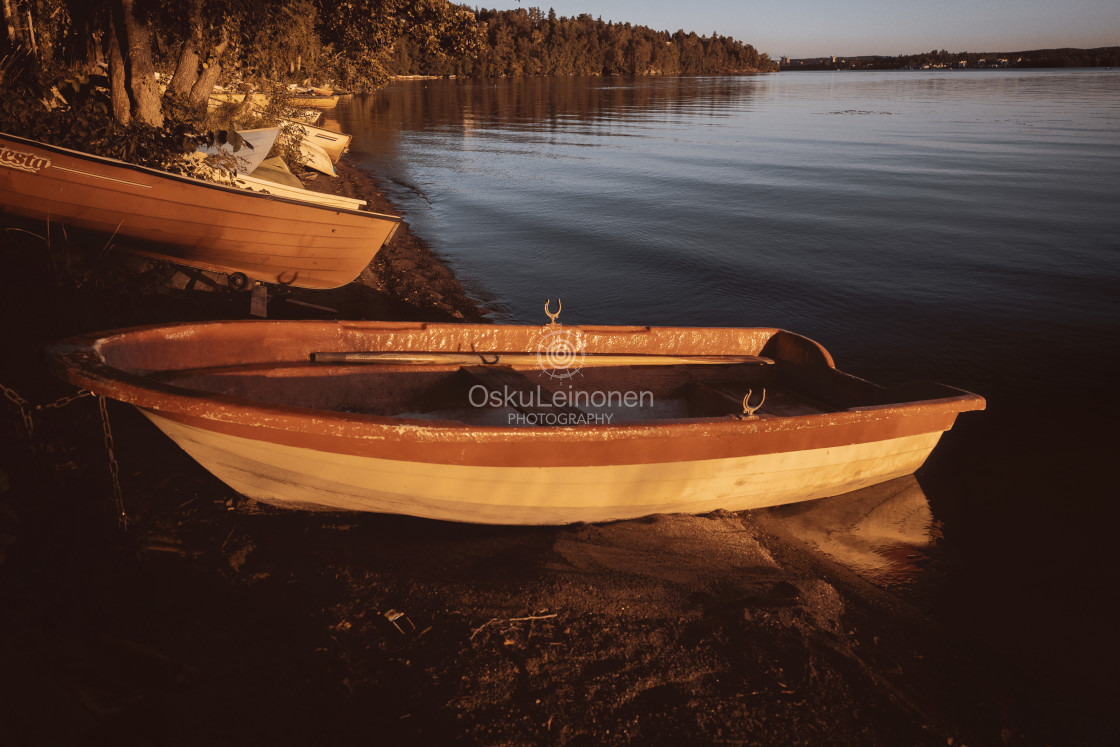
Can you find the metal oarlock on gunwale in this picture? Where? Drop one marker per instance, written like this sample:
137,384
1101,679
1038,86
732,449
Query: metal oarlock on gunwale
749,410
551,316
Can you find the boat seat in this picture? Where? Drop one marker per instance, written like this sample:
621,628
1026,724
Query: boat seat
709,401
505,379
713,401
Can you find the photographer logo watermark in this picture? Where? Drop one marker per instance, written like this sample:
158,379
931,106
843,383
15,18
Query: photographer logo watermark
560,351
539,406
560,355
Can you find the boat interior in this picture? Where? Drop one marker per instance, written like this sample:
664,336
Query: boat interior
502,395
436,374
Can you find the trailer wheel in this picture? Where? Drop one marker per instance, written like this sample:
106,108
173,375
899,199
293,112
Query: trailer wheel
238,281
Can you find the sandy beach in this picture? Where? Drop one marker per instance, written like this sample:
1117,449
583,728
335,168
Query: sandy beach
212,619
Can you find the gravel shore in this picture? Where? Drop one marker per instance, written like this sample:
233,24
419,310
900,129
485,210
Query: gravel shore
212,619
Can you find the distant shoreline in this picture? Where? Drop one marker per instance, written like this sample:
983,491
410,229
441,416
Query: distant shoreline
944,60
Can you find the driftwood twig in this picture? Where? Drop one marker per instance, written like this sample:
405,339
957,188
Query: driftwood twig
493,620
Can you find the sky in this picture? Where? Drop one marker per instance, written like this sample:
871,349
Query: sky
816,28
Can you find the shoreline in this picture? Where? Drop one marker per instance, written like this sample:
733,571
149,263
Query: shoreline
213,619
405,280
406,270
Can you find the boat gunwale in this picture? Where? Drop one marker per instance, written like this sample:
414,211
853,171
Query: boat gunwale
79,360
113,162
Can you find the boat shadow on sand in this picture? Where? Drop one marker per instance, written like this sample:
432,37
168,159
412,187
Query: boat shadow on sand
735,626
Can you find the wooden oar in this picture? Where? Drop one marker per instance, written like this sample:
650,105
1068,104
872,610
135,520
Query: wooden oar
532,359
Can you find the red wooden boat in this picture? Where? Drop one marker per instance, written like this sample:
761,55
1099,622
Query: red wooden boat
189,221
514,424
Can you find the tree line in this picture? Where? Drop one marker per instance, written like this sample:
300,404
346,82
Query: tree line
357,44
529,42
197,43
1035,58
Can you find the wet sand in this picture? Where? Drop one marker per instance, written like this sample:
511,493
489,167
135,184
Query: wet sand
215,620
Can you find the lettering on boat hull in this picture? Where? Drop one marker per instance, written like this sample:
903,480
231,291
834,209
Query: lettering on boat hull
17,159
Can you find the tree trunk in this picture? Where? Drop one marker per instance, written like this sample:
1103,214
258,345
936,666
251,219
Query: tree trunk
143,87
86,43
118,87
10,21
31,34
200,92
186,69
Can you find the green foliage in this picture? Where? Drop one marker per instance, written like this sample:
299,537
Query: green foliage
285,45
74,112
361,35
14,67
526,42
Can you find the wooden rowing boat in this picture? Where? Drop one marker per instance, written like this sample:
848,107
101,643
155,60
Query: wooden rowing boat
189,221
535,425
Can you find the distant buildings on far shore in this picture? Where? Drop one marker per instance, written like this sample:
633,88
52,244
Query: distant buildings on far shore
944,60
884,63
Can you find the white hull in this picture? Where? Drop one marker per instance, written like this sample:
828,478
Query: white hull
306,478
294,193
248,158
333,143
314,157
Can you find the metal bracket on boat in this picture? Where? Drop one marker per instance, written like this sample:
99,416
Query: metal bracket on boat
748,411
551,316
258,301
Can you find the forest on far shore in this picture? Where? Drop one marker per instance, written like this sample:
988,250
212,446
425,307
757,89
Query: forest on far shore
530,41
134,79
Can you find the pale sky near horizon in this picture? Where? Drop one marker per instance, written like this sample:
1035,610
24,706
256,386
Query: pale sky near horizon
815,28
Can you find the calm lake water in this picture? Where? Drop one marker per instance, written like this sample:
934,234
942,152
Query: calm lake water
956,226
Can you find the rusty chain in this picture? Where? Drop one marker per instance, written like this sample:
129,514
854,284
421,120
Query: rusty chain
27,410
114,468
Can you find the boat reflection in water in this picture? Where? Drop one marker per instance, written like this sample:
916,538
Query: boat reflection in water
884,532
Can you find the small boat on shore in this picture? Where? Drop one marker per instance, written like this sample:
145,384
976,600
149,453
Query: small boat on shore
188,221
333,143
510,424
314,157
306,116
298,90
223,97
313,101
259,183
254,148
